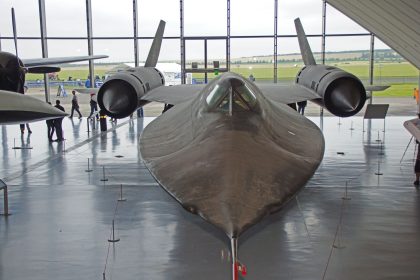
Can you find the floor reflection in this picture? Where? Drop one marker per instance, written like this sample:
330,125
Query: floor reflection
62,214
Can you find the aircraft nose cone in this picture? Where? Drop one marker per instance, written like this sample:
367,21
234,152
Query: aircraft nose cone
118,98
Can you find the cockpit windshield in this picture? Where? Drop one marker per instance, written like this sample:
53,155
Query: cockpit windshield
231,95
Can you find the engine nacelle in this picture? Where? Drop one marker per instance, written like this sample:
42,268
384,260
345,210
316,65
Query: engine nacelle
121,93
12,73
341,93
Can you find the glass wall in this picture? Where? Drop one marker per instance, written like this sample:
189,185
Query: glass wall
72,75
216,51
60,48
169,50
247,18
112,21
149,17
194,51
356,61
392,69
66,18
112,18
289,59
338,23
27,48
253,57
310,16
198,14
122,50
27,18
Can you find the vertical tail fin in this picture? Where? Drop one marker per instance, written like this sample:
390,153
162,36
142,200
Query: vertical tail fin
305,49
153,56
14,31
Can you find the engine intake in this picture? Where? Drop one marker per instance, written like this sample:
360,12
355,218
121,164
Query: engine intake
121,93
341,93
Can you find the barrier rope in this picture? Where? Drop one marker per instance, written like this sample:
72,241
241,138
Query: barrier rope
110,234
335,238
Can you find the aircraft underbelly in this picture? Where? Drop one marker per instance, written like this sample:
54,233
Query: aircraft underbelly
18,108
18,117
237,170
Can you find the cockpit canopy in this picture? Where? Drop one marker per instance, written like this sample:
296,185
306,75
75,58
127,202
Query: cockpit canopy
231,95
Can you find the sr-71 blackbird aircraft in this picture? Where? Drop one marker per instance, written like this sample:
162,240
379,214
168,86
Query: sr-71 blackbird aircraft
232,151
20,108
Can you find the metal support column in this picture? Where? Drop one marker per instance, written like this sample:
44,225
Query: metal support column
275,39
324,25
0,42
135,29
90,41
44,46
3,187
371,63
181,25
205,61
228,37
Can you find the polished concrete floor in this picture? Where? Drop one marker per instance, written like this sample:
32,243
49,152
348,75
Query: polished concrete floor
62,215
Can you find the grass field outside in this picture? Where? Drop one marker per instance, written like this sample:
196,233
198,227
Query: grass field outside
383,73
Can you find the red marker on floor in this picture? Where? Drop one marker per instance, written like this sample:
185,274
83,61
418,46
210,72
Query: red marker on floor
242,269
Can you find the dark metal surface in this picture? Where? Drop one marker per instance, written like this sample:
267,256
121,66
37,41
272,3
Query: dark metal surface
153,56
88,9
17,108
44,44
182,41
245,165
275,57
59,60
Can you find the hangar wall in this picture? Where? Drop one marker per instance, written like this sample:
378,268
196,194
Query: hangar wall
81,29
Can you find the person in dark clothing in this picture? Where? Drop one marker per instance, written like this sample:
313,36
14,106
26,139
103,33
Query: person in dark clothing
417,168
292,105
301,107
417,164
50,127
140,113
58,122
93,106
75,105
22,126
167,107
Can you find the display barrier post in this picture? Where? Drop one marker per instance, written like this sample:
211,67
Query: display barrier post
3,187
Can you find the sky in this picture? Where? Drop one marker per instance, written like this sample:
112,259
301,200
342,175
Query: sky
67,18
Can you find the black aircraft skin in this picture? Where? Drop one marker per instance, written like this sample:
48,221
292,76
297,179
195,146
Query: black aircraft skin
233,151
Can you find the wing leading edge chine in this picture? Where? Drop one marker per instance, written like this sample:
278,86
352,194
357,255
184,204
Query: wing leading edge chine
287,94
58,60
173,94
